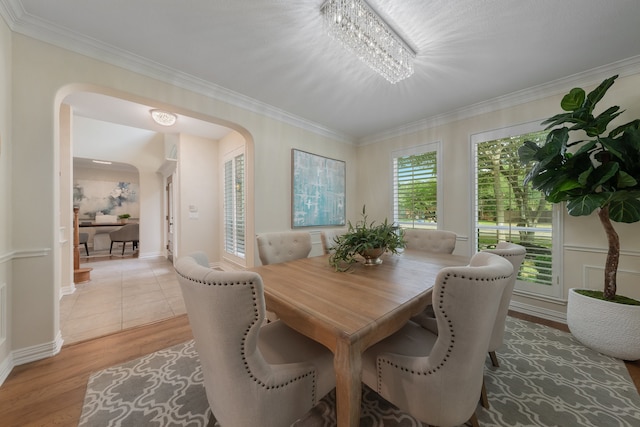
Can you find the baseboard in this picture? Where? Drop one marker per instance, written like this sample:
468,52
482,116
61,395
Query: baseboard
6,366
67,290
543,313
37,352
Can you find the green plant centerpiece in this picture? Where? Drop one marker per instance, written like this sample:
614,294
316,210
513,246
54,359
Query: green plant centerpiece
367,240
124,216
593,171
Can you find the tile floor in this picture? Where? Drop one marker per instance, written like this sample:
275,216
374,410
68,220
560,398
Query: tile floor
123,293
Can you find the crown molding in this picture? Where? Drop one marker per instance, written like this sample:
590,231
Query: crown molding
590,77
19,21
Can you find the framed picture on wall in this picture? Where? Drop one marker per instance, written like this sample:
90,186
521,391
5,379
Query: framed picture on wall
318,188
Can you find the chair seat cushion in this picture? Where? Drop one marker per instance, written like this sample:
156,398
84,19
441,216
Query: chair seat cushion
280,344
412,340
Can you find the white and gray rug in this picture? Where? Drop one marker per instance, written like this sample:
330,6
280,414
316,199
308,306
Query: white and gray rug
546,378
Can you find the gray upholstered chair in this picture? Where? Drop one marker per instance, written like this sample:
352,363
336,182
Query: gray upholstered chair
254,375
327,237
437,241
126,233
83,238
438,378
274,248
515,255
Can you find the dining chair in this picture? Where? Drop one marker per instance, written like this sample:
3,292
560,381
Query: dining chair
327,237
434,241
83,238
437,241
255,374
277,247
438,377
515,254
274,248
127,233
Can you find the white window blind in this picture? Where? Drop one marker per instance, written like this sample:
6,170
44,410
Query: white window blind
415,185
234,206
506,210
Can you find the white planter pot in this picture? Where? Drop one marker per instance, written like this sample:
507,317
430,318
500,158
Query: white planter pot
607,327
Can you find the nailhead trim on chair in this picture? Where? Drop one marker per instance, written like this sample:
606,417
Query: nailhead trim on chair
450,323
243,345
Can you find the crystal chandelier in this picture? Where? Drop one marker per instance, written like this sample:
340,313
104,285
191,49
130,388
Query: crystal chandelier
363,31
163,118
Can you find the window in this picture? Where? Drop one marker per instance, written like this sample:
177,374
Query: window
506,210
234,206
415,187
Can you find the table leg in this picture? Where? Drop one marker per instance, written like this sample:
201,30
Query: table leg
348,367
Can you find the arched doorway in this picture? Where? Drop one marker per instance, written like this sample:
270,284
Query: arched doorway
85,108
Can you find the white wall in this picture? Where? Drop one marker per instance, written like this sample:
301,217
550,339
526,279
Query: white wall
198,197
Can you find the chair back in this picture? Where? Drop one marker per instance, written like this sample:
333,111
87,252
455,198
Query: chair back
515,254
327,237
274,248
126,233
437,241
443,386
226,311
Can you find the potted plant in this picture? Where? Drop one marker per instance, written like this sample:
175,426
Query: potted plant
367,240
124,218
597,171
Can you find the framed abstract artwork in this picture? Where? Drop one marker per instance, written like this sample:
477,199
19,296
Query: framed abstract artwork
318,188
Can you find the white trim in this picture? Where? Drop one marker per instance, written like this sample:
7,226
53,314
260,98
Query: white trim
536,311
21,22
4,313
37,352
67,290
6,366
588,249
590,77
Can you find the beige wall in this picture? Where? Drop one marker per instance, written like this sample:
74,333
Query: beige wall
6,245
38,98
30,210
585,244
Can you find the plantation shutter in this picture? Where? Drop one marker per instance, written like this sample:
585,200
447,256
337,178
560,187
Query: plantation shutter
416,190
234,206
505,210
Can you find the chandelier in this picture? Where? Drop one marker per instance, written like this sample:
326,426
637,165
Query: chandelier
163,118
364,33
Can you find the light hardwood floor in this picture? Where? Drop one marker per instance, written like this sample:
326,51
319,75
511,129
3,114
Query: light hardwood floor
50,392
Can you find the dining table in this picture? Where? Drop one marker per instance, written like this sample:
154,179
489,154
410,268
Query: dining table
349,311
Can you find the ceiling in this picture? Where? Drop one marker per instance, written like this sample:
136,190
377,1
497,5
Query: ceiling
276,55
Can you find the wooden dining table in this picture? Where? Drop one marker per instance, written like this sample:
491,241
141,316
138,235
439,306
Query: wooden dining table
349,311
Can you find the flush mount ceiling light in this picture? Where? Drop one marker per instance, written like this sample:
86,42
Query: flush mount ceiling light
362,31
101,162
163,118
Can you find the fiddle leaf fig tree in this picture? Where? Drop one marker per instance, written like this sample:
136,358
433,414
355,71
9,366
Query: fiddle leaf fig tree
589,169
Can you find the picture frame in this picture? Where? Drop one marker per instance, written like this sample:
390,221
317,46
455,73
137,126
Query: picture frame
318,190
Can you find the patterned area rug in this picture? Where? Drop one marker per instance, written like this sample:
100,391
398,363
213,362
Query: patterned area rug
545,378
